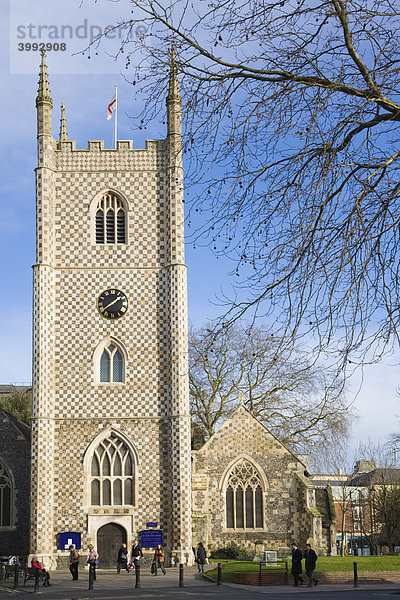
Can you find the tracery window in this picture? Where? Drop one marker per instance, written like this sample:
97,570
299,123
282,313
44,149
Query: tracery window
111,364
110,221
112,473
244,497
6,495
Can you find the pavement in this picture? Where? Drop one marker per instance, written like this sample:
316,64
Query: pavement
110,585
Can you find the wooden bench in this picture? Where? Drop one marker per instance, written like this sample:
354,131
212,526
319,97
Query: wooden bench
29,573
10,572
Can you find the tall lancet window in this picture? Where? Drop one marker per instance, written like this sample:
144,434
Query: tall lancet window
6,497
110,220
244,497
112,474
111,364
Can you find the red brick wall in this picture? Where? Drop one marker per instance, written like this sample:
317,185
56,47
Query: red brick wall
253,578
326,577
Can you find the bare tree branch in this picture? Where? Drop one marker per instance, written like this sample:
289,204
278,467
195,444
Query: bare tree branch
292,397
291,151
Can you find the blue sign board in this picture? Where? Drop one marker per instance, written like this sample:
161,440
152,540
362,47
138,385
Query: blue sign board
151,524
150,538
67,538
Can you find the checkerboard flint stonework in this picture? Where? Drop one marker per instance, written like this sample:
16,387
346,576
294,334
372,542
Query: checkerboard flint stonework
72,409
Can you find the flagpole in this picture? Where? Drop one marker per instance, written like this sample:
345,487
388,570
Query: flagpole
115,123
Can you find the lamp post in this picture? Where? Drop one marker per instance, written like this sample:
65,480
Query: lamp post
361,519
351,524
373,522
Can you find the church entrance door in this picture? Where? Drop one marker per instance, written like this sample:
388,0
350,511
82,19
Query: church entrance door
109,540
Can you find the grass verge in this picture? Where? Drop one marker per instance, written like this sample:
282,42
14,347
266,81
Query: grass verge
325,563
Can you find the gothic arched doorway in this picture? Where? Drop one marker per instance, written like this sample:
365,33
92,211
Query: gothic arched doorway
109,540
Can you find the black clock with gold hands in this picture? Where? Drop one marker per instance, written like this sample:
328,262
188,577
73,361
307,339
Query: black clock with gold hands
112,304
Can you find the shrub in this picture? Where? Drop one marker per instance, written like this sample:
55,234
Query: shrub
232,551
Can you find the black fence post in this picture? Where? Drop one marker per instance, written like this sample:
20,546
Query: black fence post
36,588
355,574
181,584
137,574
219,574
259,575
16,567
3,573
91,576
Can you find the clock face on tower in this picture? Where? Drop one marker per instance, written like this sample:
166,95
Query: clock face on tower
112,304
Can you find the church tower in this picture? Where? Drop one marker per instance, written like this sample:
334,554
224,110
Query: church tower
111,423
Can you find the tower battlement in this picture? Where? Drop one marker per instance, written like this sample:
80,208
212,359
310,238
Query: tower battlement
98,146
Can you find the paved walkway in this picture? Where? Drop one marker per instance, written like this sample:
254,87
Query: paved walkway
110,585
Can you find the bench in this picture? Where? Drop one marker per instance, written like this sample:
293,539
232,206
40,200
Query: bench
29,573
9,571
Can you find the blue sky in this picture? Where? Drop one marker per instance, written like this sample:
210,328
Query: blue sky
86,86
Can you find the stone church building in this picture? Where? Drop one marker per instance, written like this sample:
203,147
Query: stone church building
249,488
110,448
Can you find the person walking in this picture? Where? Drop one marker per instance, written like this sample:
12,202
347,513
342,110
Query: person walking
73,562
158,560
93,559
122,560
296,565
136,552
201,557
310,562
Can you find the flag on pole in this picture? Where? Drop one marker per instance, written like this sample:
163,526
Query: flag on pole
111,107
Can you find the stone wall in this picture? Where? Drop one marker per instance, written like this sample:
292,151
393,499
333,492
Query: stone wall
15,458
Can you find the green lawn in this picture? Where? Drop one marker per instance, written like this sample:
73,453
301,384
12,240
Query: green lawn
324,563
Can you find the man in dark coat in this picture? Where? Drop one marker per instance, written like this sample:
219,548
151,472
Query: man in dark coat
136,552
296,565
310,560
122,560
201,557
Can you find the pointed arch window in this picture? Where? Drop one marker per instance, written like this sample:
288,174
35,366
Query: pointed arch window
111,364
112,474
6,497
244,497
110,220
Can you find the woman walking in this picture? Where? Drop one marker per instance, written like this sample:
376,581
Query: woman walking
73,562
159,559
93,559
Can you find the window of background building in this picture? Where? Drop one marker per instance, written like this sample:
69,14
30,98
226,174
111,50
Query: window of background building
244,497
5,497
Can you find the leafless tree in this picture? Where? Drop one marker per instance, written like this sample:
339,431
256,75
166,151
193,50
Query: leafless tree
383,500
290,396
291,113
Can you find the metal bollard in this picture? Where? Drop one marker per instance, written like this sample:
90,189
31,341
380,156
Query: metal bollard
91,576
181,584
16,575
219,574
137,574
3,573
36,588
355,574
